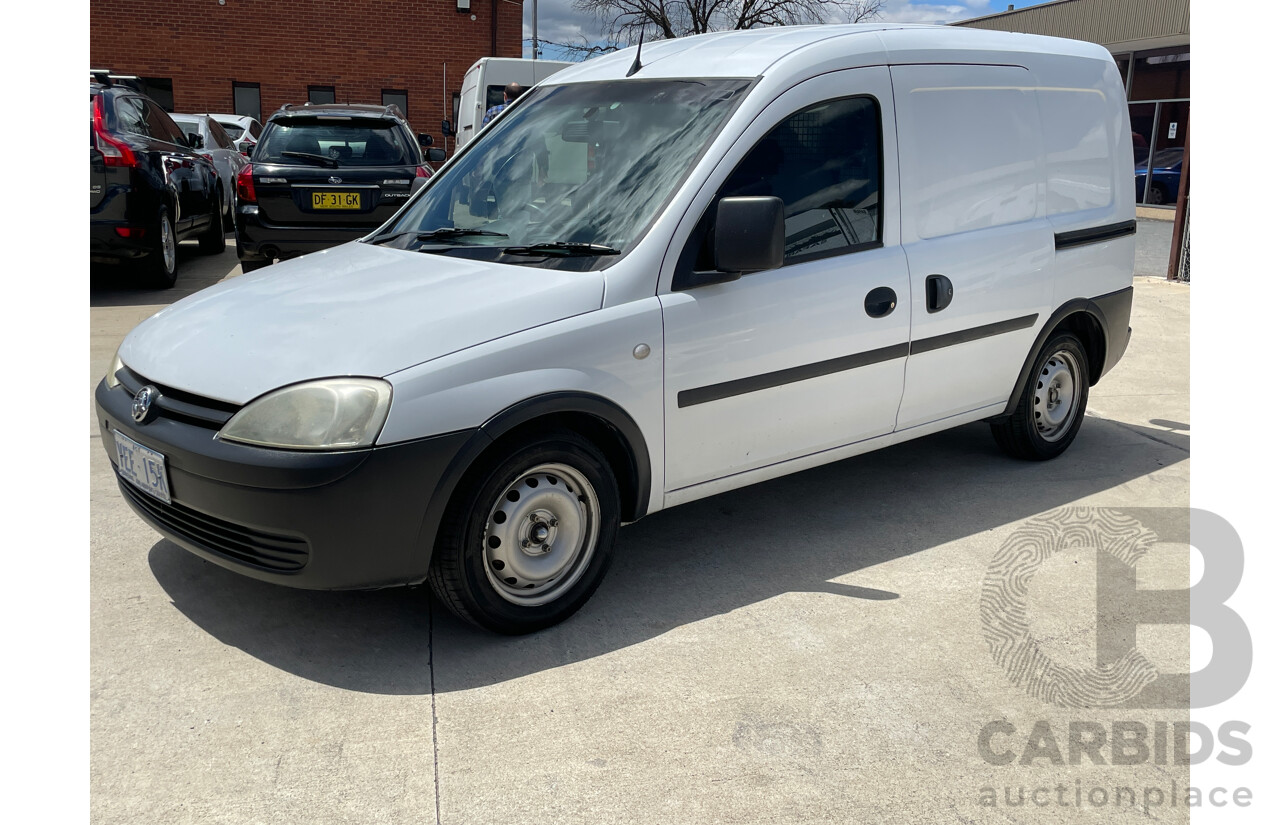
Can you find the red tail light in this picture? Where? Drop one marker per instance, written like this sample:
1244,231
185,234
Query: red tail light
114,152
244,185
424,172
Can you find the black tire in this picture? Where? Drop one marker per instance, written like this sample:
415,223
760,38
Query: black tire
557,488
1157,196
1040,428
213,241
249,265
160,268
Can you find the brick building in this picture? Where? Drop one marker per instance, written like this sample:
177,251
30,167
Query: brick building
251,56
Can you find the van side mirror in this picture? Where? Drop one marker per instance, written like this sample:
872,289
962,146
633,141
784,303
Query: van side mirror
425,140
194,140
749,235
446,129
435,155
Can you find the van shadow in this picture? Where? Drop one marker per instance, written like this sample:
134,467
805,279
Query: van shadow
676,567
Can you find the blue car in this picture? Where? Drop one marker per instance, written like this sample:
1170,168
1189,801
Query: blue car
1166,172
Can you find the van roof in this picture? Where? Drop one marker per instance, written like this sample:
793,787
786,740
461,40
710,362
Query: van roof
787,49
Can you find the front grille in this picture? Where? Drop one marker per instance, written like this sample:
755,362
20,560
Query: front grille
181,406
270,551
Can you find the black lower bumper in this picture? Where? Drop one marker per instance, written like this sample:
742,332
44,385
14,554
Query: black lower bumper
107,246
327,521
1116,308
258,239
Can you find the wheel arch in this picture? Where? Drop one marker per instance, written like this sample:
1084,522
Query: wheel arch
608,426
1097,322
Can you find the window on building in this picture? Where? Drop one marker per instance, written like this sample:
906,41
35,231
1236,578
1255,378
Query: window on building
396,97
1161,74
320,94
159,89
1123,62
247,99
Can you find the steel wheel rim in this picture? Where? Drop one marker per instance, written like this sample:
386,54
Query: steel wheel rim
540,534
167,246
1057,395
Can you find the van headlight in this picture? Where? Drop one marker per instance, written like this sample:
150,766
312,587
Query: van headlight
333,414
116,366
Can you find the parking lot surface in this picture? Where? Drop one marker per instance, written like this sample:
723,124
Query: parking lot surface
810,649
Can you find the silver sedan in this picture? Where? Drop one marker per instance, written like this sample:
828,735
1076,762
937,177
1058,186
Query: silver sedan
214,143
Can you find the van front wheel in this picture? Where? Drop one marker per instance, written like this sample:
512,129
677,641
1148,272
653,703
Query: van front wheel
529,537
1051,406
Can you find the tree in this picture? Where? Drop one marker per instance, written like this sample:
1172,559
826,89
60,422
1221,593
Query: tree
625,20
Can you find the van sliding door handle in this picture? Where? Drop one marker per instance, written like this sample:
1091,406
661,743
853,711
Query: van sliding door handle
938,293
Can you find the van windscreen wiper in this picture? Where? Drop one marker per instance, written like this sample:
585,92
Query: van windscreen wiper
444,233
322,160
563,249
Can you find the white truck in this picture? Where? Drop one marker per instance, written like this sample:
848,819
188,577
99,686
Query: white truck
482,89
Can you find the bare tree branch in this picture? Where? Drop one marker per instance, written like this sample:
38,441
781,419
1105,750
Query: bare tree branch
625,20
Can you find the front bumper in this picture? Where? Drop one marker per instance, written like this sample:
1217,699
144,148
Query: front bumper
327,521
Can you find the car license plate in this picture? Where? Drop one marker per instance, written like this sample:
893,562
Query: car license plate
142,467
335,200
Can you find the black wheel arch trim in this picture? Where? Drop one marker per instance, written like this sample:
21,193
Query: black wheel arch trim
1111,312
530,409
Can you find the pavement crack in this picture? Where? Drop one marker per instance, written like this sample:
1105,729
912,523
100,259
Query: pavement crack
431,669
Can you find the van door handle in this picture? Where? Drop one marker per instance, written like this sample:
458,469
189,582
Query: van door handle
938,293
880,301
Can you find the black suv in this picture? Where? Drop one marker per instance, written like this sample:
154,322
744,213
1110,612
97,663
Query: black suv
147,188
324,175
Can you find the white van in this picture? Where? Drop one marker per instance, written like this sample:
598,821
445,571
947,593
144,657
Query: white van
482,87
736,256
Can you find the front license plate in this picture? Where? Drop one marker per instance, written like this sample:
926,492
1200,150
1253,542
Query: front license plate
335,200
142,467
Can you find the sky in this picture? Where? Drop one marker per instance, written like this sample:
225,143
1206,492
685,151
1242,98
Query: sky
559,22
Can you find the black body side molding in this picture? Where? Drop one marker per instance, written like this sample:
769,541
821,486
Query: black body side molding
1094,234
755,383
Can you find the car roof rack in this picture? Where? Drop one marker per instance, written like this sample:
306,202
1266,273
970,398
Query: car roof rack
106,77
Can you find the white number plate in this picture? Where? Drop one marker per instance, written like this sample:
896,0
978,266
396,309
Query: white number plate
142,467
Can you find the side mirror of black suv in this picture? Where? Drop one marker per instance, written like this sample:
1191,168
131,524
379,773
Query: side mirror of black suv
425,140
195,141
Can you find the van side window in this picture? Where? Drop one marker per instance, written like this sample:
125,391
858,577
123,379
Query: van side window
825,163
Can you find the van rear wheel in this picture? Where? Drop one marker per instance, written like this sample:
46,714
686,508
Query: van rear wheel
528,536
1052,404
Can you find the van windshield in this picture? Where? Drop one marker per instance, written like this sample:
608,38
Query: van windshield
573,171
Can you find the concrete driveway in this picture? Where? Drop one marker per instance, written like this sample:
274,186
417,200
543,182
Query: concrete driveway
807,650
